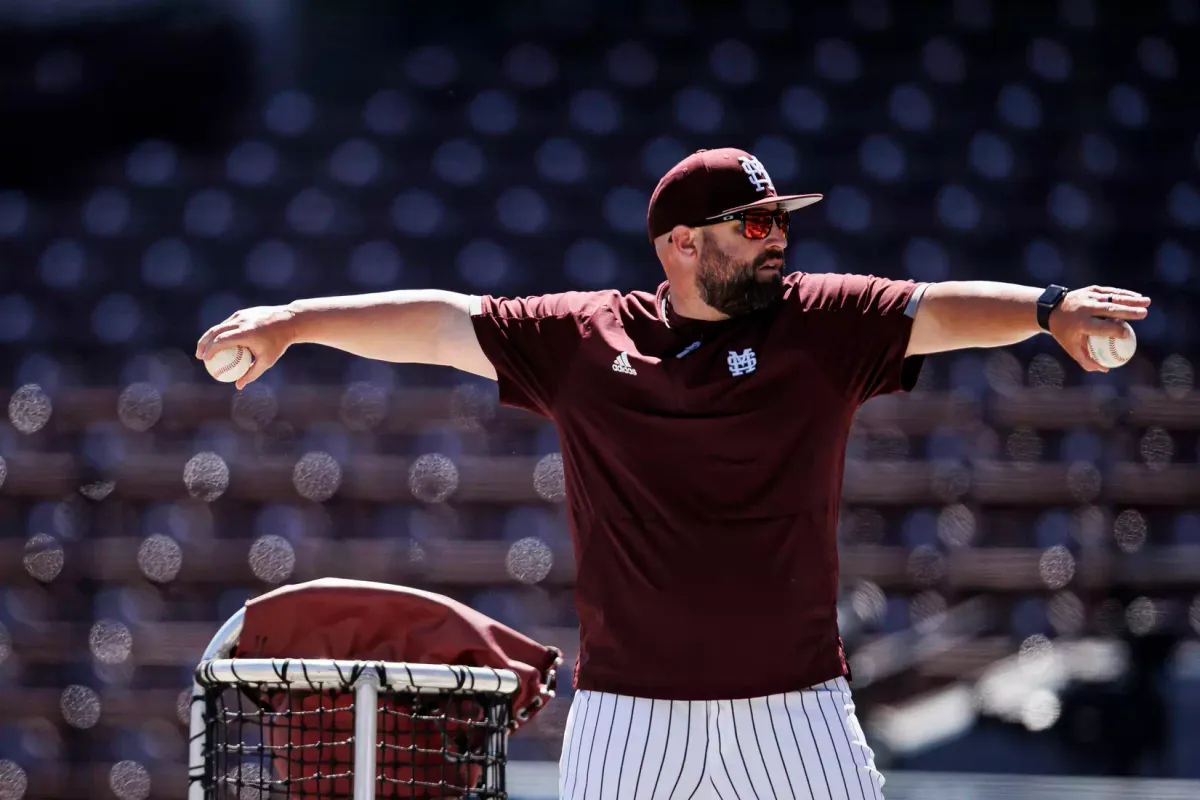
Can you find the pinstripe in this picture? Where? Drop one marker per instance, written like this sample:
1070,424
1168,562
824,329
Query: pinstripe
816,747
666,744
832,743
742,753
787,773
587,701
587,771
574,761
645,747
864,772
687,740
799,753
845,733
611,721
625,749
704,763
721,753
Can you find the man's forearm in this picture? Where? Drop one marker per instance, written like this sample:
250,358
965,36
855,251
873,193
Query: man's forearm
960,314
425,326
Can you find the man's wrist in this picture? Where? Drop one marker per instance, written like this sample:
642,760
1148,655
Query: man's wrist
1049,300
297,321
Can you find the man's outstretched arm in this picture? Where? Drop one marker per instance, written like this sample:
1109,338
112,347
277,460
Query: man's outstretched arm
426,326
957,315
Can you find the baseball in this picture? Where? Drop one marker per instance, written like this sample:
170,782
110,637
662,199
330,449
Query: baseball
1110,352
230,364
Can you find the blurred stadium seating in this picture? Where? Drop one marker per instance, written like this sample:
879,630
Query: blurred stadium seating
1021,541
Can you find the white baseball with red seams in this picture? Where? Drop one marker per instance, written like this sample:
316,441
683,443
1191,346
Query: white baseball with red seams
230,364
1111,352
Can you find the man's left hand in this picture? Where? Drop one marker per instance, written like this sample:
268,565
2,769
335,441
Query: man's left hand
1094,311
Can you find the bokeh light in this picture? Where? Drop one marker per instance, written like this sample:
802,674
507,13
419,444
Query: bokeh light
1156,447
254,408
183,707
432,478
13,780
317,476
1024,446
471,406
139,407
29,408
1056,567
363,406
956,526
6,648
44,557
129,780
1066,614
272,559
1035,647
1142,616
1177,376
949,481
926,566
869,602
548,479
529,560
80,706
110,641
97,489
160,558
1130,529
206,476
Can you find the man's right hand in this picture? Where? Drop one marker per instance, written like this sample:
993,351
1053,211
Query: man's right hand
266,331
405,326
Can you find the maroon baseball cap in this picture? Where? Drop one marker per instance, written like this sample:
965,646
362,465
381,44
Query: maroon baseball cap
711,183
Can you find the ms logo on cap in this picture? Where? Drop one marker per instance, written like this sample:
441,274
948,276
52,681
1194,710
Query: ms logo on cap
758,174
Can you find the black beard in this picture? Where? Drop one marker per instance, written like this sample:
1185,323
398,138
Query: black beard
735,289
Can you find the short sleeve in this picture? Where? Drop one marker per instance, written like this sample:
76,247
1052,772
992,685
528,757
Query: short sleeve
862,324
531,342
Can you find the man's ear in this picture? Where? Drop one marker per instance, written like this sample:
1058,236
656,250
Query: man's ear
686,240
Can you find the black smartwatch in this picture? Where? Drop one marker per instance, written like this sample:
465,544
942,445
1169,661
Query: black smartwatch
1049,301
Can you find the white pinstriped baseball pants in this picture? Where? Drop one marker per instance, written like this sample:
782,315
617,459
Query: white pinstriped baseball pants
793,746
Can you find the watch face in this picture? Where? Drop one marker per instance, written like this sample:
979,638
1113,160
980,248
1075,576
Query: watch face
1052,295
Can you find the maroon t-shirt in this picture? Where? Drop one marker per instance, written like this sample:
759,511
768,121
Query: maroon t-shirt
703,465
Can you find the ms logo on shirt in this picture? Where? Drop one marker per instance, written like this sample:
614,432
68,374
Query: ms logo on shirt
742,363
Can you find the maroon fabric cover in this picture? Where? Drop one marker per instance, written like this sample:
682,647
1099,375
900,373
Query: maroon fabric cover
332,618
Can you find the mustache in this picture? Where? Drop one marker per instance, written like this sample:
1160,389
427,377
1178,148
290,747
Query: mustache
768,255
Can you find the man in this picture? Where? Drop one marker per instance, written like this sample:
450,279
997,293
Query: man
703,430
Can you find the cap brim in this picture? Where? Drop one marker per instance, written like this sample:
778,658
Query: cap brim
788,202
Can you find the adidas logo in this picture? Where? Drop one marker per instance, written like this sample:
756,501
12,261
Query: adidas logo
621,364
